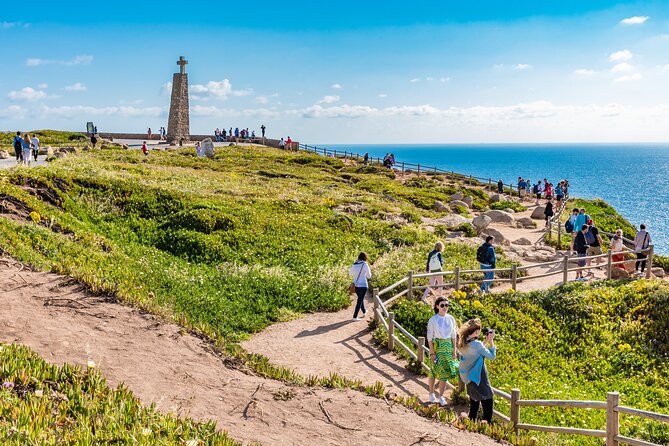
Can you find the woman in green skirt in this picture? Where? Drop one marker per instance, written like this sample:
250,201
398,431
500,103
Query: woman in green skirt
442,339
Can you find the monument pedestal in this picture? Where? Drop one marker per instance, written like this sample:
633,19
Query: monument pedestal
178,125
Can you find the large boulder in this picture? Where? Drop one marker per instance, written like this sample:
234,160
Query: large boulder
495,198
538,213
457,196
452,220
501,217
619,273
441,207
207,148
469,200
481,222
658,272
454,203
509,210
4,154
499,237
522,241
525,223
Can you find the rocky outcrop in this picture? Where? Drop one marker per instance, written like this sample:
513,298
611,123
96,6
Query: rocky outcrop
619,273
525,223
481,222
522,241
499,237
4,154
501,217
441,207
457,196
538,213
468,200
454,203
495,198
452,220
658,272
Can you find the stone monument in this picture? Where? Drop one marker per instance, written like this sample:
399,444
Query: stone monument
178,125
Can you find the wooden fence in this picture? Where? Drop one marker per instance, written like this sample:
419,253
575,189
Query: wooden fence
612,404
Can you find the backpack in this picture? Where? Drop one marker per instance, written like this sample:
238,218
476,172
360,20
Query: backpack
434,264
535,189
569,226
590,237
17,143
482,253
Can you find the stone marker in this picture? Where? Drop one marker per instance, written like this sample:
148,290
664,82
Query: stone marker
178,125
207,148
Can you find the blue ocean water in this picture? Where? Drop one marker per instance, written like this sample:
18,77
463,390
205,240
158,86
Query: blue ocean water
633,178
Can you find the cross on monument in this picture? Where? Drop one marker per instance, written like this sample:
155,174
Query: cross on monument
182,64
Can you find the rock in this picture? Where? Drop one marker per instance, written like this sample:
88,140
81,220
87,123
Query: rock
457,196
60,154
481,222
452,220
658,272
441,207
4,154
526,223
49,151
125,146
67,149
619,273
495,198
469,200
501,217
509,210
458,203
522,241
499,237
207,148
538,213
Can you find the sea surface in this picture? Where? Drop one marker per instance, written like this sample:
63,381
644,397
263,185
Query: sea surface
633,178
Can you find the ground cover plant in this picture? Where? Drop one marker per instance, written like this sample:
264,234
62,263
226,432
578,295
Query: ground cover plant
41,403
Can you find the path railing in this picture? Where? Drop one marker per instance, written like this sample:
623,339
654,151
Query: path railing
612,406
405,167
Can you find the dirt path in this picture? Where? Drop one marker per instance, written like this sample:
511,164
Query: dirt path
161,363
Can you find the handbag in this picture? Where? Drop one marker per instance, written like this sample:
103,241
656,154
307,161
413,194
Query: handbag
351,287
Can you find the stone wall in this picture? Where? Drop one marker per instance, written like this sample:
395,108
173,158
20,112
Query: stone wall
192,138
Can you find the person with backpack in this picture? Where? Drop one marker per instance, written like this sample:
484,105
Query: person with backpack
548,212
570,227
559,192
537,192
18,147
581,248
594,241
641,243
360,272
435,263
485,255
442,332
500,186
581,219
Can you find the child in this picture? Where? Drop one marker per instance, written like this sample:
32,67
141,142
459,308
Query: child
145,149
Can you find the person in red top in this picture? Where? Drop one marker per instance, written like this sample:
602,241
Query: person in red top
145,149
289,143
548,190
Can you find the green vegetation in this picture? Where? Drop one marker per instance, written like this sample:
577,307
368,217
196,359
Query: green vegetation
604,216
42,403
46,137
506,204
574,342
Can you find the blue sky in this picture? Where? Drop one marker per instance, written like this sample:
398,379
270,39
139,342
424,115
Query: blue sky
346,72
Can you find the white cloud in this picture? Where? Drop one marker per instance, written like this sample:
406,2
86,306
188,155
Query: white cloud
26,94
72,111
622,67
620,56
77,60
522,66
261,99
12,112
217,90
383,95
444,79
429,78
214,112
330,99
78,86
414,80
10,25
584,72
336,86
628,78
636,20
339,111
166,88
43,86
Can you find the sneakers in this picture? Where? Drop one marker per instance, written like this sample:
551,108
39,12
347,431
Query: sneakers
442,401
356,319
364,313
433,398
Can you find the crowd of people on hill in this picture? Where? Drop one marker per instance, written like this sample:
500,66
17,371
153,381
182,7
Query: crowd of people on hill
26,147
237,134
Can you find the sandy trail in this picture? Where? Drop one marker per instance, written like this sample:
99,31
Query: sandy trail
161,363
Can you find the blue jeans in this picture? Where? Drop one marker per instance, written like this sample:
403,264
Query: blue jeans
360,304
487,277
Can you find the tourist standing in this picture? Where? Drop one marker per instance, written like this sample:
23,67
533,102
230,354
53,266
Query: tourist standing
500,186
18,147
594,241
538,191
548,212
641,243
485,255
360,272
35,142
289,143
148,132
435,264
617,247
442,340
581,248
282,144
548,190
26,146
365,159
581,219
520,187
94,140
559,192
262,129
473,371
198,149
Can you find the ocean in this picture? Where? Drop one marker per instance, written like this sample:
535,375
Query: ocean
633,178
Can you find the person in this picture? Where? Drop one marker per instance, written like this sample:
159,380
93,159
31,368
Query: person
617,247
253,134
289,143
500,186
538,190
26,146
392,160
521,186
527,193
548,212
18,147
485,255
594,241
365,159
262,129
149,133
581,218
95,129
35,142
360,272
223,136
236,132
145,149
548,190
94,140
217,134
435,263
581,248
641,243
473,371
282,144
442,340
198,149
559,192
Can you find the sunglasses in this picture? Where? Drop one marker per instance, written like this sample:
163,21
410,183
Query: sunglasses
443,305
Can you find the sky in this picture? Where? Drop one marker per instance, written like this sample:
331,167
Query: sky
345,71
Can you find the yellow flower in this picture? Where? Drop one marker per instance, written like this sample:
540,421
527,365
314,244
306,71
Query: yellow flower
464,302
34,216
625,347
477,304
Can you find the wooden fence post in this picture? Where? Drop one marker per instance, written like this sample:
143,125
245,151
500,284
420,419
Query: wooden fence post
565,269
335,153
609,264
548,230
457,278
410,286
515,409
649,261
375,295
402,168
420,352
419,170
391,331
514,276
612,418
559,237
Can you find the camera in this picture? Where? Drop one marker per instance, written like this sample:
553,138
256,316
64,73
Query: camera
487,330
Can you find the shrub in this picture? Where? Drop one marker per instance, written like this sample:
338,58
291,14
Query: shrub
506,204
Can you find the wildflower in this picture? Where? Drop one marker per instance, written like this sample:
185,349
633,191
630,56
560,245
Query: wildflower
146,431
477,304
8,385
464,302
90,364
39,393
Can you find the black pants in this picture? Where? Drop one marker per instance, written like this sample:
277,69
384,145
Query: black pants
640,260
487,410
500,189
360,304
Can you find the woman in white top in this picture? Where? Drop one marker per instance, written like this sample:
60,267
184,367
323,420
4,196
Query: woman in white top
442,339
617,248
360,272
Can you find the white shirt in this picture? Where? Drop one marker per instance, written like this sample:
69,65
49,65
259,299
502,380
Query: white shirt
642,240
441,327
616,244
360,272
35,142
